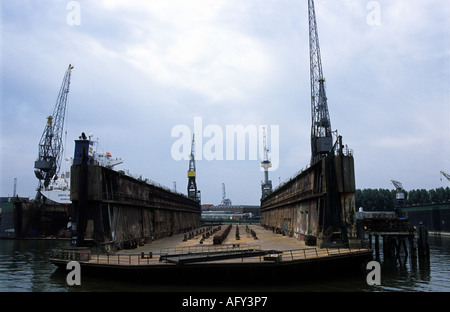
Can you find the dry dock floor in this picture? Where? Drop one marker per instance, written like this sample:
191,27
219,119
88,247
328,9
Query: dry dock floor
292,248
265,239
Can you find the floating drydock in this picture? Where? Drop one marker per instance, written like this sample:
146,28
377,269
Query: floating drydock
139,230
112,210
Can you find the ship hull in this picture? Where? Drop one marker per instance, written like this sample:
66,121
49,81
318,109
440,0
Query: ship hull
60,197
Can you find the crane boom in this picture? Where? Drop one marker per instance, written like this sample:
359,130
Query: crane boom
400,192
321,136
445,174
398,185
51,144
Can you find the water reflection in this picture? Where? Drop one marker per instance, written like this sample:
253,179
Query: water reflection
408,272
25,266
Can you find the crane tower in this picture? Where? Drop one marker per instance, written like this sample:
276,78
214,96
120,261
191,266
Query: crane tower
321,137
50,153
400,195
192,184
225,200
266,186
445,174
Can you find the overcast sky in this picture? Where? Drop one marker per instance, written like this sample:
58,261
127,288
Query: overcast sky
143,68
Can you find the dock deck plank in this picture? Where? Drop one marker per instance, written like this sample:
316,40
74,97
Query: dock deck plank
290,248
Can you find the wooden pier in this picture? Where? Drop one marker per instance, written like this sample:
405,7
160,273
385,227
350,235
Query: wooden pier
395,243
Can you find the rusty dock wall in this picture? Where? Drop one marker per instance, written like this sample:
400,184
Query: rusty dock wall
21,218
316,204
117,211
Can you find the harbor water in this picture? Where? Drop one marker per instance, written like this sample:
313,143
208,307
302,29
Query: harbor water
24,267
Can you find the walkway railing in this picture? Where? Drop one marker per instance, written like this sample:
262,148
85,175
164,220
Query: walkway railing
206,249
151,258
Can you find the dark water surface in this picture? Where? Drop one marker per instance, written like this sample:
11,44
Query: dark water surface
24,267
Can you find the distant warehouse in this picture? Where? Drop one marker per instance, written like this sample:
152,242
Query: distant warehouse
232,212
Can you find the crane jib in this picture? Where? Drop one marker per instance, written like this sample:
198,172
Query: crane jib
51,144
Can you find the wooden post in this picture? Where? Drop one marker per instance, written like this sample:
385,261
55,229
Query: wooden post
398,247
424,248
393,246
412,247
404,246
377,246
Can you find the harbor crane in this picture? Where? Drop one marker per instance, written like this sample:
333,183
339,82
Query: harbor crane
400,196
321,134
266,186
192,184
225,200
445,174
48,163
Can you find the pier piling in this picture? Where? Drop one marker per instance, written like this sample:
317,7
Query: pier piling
395,245
424,248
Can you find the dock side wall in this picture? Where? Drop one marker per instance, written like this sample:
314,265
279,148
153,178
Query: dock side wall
318,201
120,210
294,208
25,219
